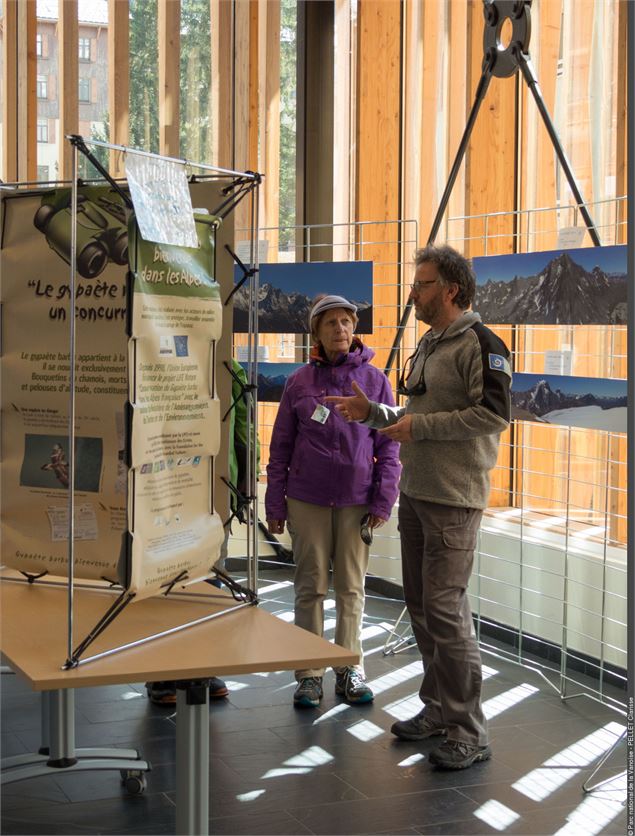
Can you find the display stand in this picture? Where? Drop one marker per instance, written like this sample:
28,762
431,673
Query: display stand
243,184
58,749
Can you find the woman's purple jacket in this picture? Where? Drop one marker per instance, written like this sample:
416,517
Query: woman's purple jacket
336,463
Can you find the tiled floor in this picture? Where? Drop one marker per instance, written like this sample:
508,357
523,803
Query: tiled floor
336,770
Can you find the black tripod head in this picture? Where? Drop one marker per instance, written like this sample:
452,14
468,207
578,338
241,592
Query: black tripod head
507,32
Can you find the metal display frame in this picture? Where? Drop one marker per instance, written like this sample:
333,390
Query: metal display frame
244,184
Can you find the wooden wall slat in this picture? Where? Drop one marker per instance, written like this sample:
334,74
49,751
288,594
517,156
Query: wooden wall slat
27,102
578,37
68,82
459,102
621,149
413,116
491,157
269,96
431,83
537,160
169,35
10,92
378,142
253,104
343,98
118,79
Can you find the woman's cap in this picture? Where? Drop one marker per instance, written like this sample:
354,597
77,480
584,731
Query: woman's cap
328,302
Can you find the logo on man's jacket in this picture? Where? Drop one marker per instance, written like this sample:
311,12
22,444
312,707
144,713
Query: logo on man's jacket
500,364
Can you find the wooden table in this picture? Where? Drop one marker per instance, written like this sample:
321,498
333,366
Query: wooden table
34,638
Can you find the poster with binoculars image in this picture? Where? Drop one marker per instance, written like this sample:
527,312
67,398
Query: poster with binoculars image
163,504
176,321
36,310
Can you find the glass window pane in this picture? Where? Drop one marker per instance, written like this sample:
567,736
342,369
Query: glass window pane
84,49
93,80
144,75
196,68
84,90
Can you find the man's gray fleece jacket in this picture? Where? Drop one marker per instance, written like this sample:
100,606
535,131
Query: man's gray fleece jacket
457,422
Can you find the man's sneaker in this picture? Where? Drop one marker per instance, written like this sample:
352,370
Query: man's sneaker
456,754
352,686
308,692
162,693
217,688
416,728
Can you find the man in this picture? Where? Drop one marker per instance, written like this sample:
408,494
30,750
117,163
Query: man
458,388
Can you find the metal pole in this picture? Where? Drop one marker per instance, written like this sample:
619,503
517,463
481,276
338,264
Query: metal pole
248,175
192,758
71,400
61,705
565,602
252,464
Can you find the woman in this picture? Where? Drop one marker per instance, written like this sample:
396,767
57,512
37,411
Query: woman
324,476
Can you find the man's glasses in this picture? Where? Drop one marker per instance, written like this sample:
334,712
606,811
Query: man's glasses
417,286
420,386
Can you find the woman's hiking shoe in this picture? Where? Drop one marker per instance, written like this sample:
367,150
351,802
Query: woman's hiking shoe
351,685
416,728
217,688
456,754
164,693
308,692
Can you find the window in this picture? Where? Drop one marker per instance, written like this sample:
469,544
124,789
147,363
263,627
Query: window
42,130
84,49
41,88
84,90
38,45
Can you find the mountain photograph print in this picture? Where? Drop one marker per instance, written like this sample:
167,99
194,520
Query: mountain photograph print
590,402
286,293
272,378
558,287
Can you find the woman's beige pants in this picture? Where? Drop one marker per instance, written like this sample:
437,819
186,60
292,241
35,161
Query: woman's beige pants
322,535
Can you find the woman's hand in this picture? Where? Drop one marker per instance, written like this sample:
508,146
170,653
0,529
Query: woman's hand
354,407
275,526
374,521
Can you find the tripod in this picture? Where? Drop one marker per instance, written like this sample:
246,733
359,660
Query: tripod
501,62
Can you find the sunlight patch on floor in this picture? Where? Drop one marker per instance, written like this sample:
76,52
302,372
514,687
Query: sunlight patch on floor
496,815
546,779
365,730
508,699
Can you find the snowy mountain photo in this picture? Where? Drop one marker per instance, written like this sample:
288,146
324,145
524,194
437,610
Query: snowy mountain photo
286,293
572,401
559,287
272,378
